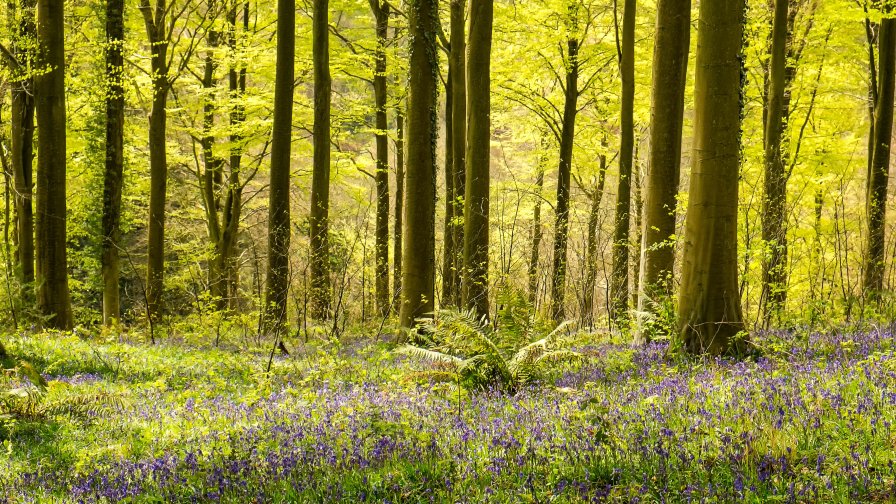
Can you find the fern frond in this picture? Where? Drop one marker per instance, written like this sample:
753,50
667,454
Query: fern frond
430,355
82,405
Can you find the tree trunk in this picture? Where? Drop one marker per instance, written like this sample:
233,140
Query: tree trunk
113,180
458,98
212,179
619,283
320,183
476,199
537,234
22,150
381,12
564,174
774,204
596,196
277,283
398,225
449,257
156,30
709,310
54,299
880,167
418,279
670,63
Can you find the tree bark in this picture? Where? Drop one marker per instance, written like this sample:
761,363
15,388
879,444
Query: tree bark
418,279
774,204
564,174
450,273
619,283
458,98
476,199
320,182
596,195
398,225
709,309
381,13
155,19
54,299
537,235
277,283
670,63
113,180
22,148
880,166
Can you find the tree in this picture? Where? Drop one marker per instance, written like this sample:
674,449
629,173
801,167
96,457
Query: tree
564,172
277,282
54,299
709,309
619,283
381,12
876,199
320,183
670,63
418,262
476,198
456,173
113,180
595,195
22,138
398,224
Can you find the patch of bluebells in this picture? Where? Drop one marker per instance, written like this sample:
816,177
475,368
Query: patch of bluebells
811,421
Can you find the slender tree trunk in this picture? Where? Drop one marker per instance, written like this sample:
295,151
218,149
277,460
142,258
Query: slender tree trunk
670,63
619,283
22,148
476,199
113,180
596,196
212,180
880,167
709,310
774,231
537,234
450,249
564,174
458,93
156,29
320,183
277,283
398,225
381,12
54,299
418,279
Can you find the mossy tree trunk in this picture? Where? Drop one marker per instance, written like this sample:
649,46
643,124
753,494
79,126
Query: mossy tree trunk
622,223
320,181
113,179
880,165
277,282
381,11
476,196
670,63
709,310
458,147
54,299
418,262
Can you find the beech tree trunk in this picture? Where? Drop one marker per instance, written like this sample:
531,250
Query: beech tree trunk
537,234
670,63
54,299
156,22
709,309
458,97
450,273
398,225
113,180
880,165
774,204
418,263
564,174
476,199
22,149
619,280
381,12
596,195
320,182
277,283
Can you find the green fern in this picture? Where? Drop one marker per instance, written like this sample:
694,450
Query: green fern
479,355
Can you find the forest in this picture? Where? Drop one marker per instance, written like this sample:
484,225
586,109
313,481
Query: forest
494,251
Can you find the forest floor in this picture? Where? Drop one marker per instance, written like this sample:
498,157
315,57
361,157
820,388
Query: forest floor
810,421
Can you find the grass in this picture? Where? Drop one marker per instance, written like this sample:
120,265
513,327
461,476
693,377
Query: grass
810,421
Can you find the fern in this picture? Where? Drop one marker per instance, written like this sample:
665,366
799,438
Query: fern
479,355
